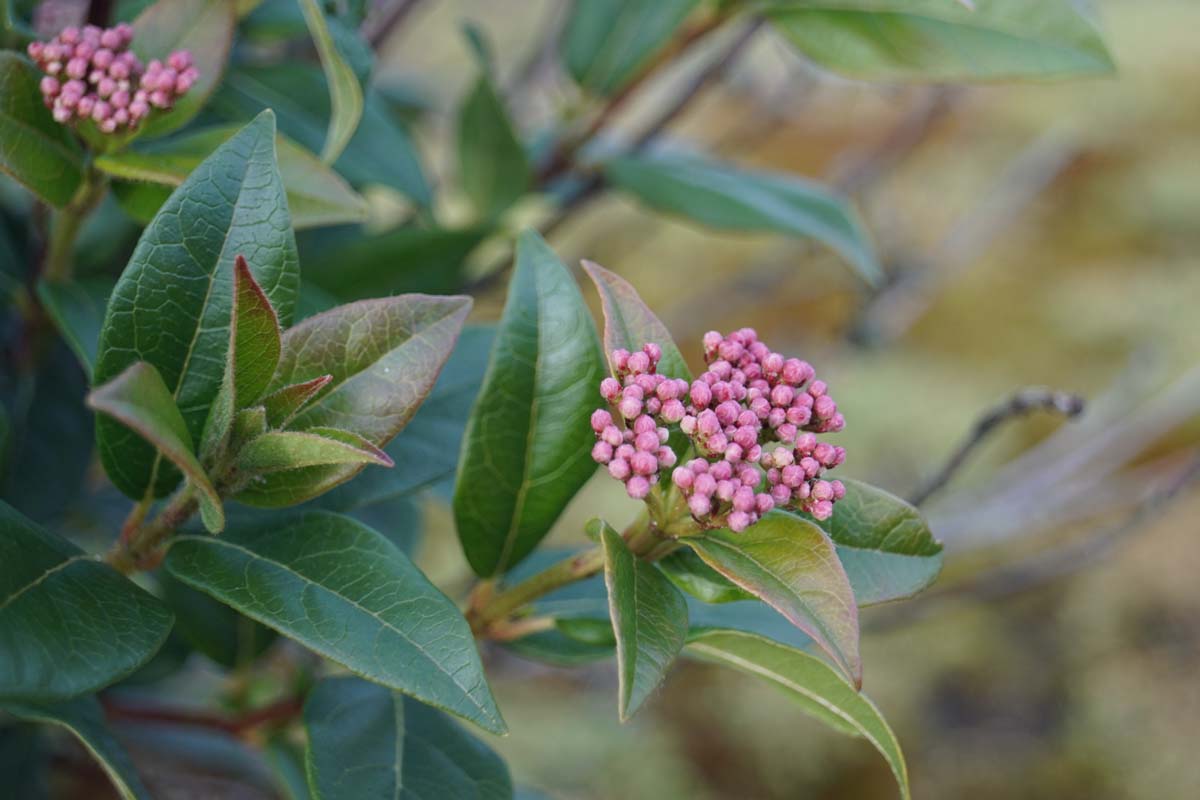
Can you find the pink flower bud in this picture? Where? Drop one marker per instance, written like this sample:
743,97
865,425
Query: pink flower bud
781,494
673,411
743,499
739,521
179,60
619,468
49,86
601,419
644,463
824,407
700,505
653,351
725,490
822,509
666,458
101,111
839,489
792,476
682,477
647,442
688,424
773,365
602,452
111,39
763,503
625,452
810,466
821,490
721,471
698,465
806,443
610,388
727,412
85,105
102,58
77,68
704,484
707,424
61,113
712,340
638,487
620,360
630,407
701,394
612,435
748,476
817,388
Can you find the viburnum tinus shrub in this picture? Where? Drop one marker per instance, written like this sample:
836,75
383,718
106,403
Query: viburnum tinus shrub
207,456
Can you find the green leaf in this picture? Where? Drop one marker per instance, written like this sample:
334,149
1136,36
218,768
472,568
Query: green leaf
202,27
649,619
353,265
555,647
492,165
607,42
527,447
77,308
349,594
790,564
724,197
384,356
84,718
254,344
34,149
283,450
366,741
171,306
428,449
629,323
345,93
689,572
938,40
381,151
215,629
283,404
819,690
884,543
317,196
68,623
139,400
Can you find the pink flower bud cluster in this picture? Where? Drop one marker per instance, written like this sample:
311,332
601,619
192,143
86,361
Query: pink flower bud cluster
754,412
752,417
92,74
630,440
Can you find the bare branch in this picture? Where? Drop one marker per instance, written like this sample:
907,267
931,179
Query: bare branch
1020,403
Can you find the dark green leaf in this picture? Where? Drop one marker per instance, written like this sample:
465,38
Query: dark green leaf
84,718
367,741
555,647
202,27
352,264
607,42
629,323
68,623
381,151
77,308
37,151
527,447
649,619
818,689
384,356
254,343
345,93
317,196
492,166
790,564
884,544
138,399
215,629
689,572
346,592
283,404
287,761
939,40
171,306
724,197
428,449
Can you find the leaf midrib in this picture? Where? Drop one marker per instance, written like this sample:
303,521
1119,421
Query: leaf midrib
225,542
43,577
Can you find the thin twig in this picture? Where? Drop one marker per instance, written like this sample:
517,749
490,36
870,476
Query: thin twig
1019,404
279,711
377,32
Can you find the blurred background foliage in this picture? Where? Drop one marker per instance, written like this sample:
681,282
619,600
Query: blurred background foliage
1032,233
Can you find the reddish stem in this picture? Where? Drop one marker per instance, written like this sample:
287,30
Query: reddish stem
279,711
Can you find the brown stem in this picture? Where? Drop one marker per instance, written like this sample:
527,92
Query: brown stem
280,711
138,546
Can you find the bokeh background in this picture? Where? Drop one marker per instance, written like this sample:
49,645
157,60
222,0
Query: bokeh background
1036,234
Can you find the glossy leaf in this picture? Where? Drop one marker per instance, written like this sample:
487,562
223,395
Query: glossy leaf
384,356
938,40
527,447
171,306
84,718
649,619
68,623
281,450
725,197
34,149
347,593
607,42
345,93
139,400
381,152
202,27
629,323
884,544
316,195
367,741
790,564
819,690
428,449
492,166
77,308
691,574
